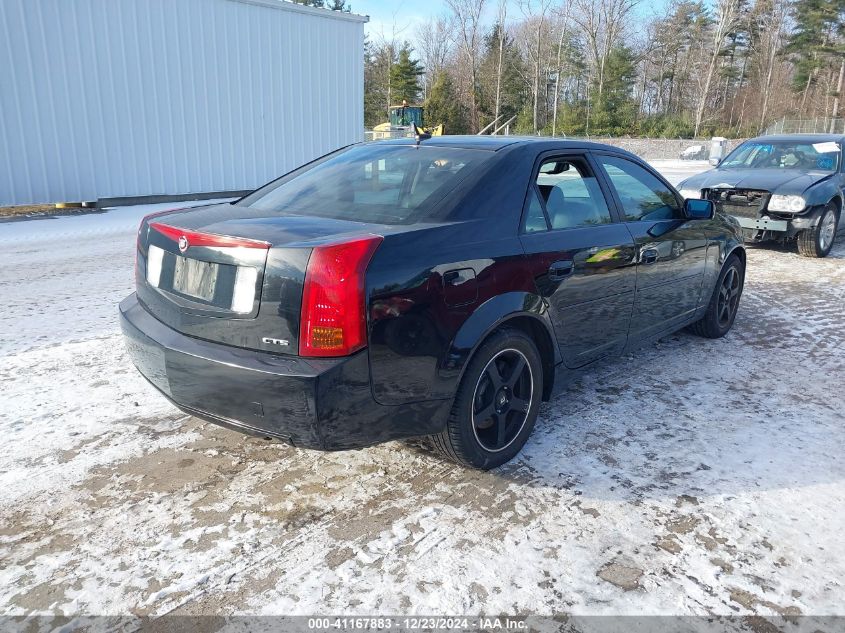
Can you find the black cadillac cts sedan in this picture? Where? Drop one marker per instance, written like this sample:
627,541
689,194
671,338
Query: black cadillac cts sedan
443,289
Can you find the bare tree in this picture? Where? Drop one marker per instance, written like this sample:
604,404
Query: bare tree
727,15
435,39
602,23
501,18
388,44
768,38
468,14
563,26
535,21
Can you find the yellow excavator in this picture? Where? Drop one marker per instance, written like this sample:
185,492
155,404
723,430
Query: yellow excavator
404,119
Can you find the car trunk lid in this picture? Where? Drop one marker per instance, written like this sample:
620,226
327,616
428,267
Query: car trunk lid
231,274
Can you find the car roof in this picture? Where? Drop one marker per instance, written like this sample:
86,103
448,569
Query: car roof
492,143
807,138
495,143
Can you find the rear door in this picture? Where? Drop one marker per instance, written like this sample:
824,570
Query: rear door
583,260
671,250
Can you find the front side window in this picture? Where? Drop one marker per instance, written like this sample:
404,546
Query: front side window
370,183
570,194
643,195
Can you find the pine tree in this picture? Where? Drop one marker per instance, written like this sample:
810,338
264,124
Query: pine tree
405,77
819,25
442,107
614,109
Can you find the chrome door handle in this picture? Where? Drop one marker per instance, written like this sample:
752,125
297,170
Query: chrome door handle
649,256
560,270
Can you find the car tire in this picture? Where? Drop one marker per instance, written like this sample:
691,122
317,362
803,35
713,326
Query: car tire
504,383
818,241
724,302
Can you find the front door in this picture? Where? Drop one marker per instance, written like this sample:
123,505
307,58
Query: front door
671,250
582,259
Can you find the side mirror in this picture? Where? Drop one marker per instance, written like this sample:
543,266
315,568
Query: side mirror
715,161
699,209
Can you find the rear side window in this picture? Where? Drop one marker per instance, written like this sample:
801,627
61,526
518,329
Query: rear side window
570,195
371,183
535,218
643,195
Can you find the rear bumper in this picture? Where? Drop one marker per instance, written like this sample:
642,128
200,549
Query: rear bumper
324,404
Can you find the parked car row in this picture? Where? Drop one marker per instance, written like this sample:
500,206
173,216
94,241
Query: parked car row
436,287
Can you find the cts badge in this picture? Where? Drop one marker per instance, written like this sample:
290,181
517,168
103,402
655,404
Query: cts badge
183,243
274,341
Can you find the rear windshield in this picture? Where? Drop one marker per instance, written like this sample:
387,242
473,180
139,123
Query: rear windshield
385,184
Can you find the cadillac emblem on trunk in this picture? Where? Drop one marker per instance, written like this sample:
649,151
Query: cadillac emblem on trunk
183,244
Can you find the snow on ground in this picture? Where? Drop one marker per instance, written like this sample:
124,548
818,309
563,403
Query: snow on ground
692,477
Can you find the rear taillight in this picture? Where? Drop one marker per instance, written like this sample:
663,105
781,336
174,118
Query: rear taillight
333,319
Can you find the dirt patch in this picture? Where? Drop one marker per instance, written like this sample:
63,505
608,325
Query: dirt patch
750,601
723,565
683,525
623,576
41,212
670,544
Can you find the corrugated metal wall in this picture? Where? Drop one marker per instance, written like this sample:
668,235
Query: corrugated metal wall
114,98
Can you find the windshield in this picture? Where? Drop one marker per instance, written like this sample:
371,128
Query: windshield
384,184
405,115
821,156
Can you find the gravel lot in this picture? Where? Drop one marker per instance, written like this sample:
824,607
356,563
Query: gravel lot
693,477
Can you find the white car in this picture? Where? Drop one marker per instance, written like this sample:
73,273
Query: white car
694,152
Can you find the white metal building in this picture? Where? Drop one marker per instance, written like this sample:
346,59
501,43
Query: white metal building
123,98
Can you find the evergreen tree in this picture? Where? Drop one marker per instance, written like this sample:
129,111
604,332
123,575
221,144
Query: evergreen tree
614,109
819,26
405,77
442,107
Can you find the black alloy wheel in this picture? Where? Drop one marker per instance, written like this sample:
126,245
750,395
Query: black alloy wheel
721,312
730,289
496,403
502,400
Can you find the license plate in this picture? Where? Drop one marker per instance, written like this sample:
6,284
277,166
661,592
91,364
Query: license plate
195,278
762,224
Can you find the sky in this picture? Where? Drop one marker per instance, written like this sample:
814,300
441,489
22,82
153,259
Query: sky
398,19
399,16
